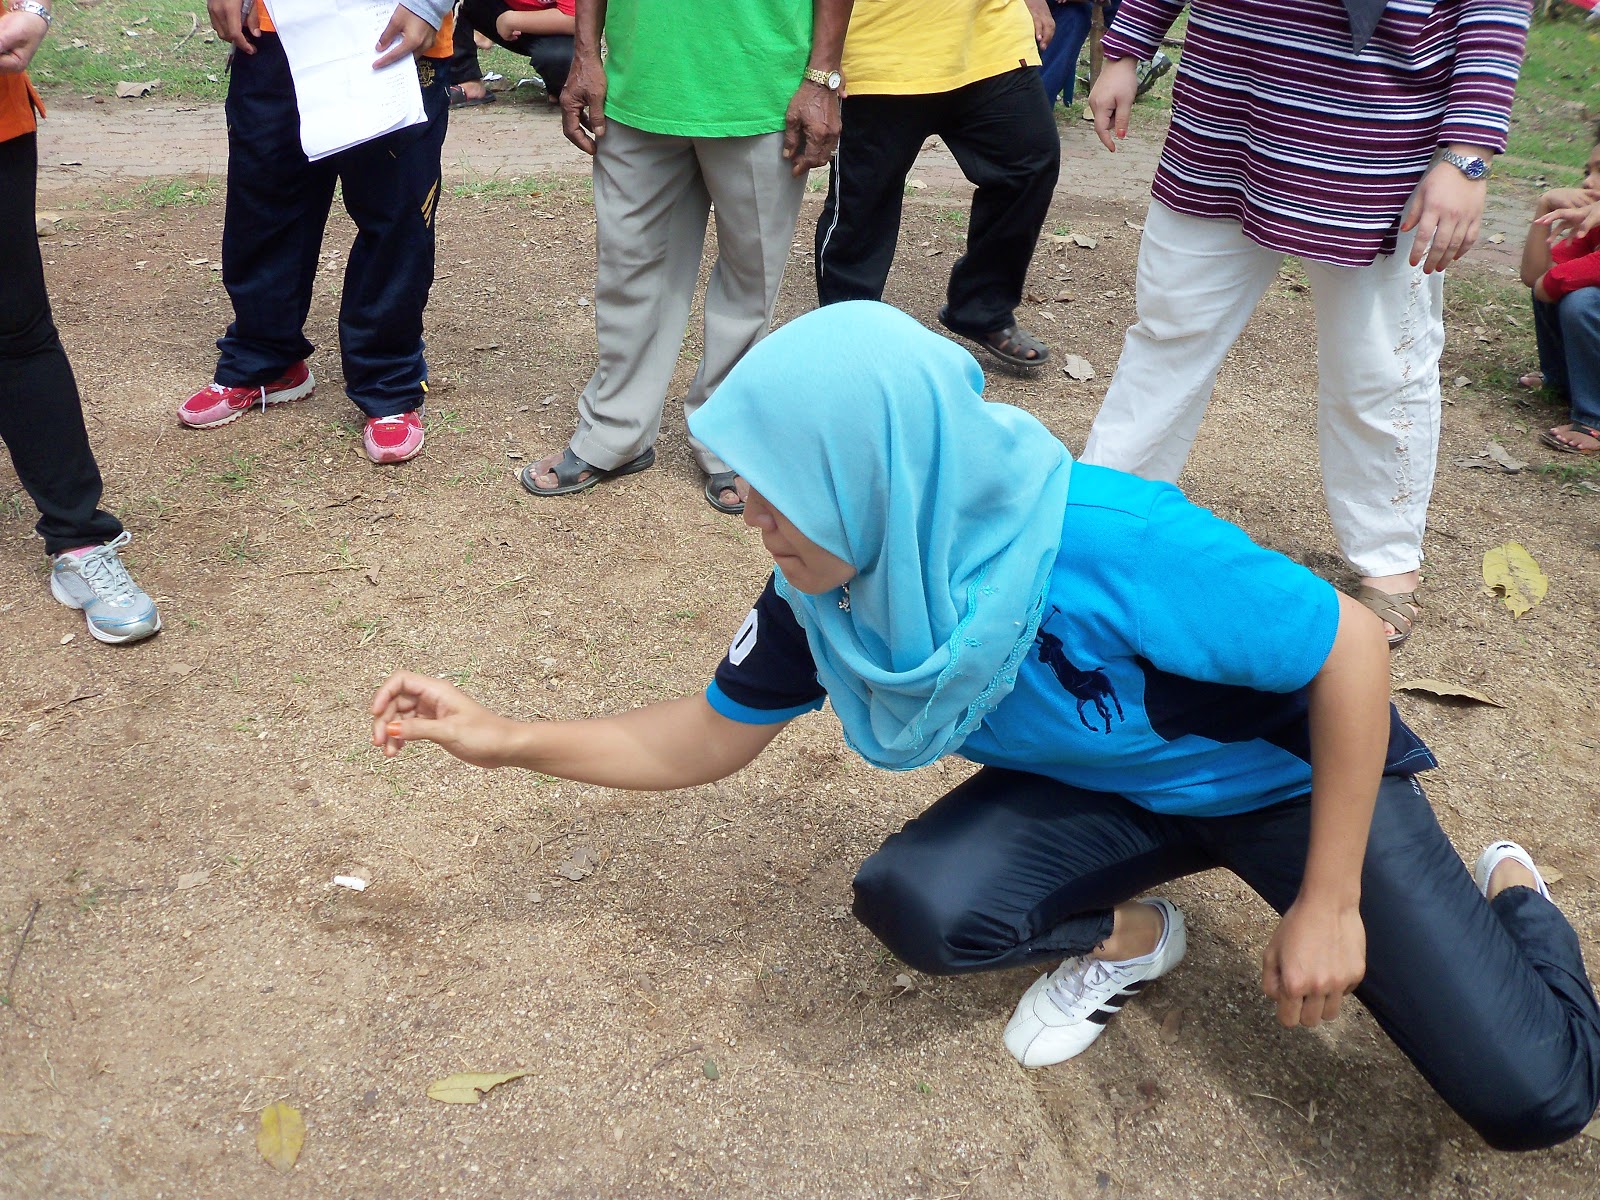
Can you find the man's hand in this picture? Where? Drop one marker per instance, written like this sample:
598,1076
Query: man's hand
228,19
811,127
1111,100
1044,25
583,102
1446,212
1316,958
411,708
405,36
20,35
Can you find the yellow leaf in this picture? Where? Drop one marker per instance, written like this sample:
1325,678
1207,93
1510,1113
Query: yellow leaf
467,1087
1511,571
1446,691
281,1136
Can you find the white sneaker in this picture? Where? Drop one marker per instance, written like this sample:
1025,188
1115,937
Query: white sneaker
97,582
1496,853
1064,1011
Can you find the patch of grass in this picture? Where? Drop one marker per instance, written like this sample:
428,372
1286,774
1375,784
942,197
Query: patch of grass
952,216
90,50
240,473
1577,470
1552,121
475,185
240,549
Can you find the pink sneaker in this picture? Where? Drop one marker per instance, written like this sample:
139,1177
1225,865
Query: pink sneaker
215,405
393,439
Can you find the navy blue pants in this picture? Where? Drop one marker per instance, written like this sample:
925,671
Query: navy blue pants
41,416
1489,1000
277,210
1001,133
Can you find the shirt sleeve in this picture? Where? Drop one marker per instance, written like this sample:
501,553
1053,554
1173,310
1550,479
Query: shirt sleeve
1212,605
431,11
1490,38
1577,265
768,675
1138,28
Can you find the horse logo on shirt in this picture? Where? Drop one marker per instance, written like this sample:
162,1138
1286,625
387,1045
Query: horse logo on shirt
1086,687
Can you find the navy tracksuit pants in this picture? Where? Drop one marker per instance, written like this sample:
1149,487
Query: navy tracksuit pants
1489,1000
277,210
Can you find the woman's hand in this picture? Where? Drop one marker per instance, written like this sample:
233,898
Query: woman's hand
1447,213
1044,25
20,35
418,708
1316,958
1111,100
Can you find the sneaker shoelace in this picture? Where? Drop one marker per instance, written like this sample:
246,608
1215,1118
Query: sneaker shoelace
1069,988
104,572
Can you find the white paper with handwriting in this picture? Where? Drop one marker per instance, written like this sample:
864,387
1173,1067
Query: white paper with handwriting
343,101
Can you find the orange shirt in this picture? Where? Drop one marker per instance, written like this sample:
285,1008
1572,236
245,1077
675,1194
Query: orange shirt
439,49
18,103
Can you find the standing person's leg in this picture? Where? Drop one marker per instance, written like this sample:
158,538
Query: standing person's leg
1380,330
860,223
277,207
1198,282
1058,62
41,423
650,207
391,191
1011,869
1489,1000
1003,136
757,197
466,75
1569,356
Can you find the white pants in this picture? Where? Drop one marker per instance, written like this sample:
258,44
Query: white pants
652,196
1380,330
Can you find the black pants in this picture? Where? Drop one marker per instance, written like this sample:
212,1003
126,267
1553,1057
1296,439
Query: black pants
550,56
1489,1000
1003,136
41,416
277,208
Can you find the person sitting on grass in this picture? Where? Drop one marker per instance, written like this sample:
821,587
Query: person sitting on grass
1561,263
1075,630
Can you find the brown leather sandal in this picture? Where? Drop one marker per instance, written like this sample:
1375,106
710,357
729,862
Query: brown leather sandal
1399,609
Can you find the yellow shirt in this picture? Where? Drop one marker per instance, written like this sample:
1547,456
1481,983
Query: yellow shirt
914,47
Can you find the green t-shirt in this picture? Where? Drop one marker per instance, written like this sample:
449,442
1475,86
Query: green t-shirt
694,68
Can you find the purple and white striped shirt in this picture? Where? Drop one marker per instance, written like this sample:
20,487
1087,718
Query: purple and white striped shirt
1312,148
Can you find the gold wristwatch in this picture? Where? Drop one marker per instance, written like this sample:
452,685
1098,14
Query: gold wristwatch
831,80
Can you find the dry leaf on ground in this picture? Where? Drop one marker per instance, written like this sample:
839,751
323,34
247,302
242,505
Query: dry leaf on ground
1446,691
1084,240
1075,366
1511,571
132,91
281,1136
580,864
468,1087
192,880
1171,1025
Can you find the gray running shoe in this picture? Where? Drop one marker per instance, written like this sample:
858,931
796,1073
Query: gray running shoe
95,581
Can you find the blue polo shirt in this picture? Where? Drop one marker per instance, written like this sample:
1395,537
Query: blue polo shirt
1170,668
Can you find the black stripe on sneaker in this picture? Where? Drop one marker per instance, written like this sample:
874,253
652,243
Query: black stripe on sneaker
1101,1015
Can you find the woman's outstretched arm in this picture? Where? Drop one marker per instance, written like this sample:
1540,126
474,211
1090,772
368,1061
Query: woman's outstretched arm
674,744
1318,954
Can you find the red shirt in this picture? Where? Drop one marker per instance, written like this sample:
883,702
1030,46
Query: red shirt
1577,265
569,7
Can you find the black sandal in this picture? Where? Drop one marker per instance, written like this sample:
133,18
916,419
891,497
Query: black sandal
716,484
1011,344
569,468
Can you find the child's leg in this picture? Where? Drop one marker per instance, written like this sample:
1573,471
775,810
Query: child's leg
1012,868
277,206
1580,335
551,56
1488,1000
391,190
1552,348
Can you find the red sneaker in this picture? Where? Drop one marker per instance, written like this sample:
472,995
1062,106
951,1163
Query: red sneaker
215,404
393,439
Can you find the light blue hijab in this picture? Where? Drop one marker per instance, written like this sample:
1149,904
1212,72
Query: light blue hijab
871,435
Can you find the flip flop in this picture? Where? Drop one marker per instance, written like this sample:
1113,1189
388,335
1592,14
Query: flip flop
1549,438
1010,344
716,484
460,99
1400,609
569,467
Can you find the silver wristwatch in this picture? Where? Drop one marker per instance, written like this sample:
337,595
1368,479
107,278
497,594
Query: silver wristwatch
1472,168
31,6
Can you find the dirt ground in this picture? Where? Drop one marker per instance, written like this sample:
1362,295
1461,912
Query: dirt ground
698,1015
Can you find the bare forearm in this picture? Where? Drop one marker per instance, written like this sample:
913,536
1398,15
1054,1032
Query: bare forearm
829,20
1349,719
543,23
589,22
674,744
